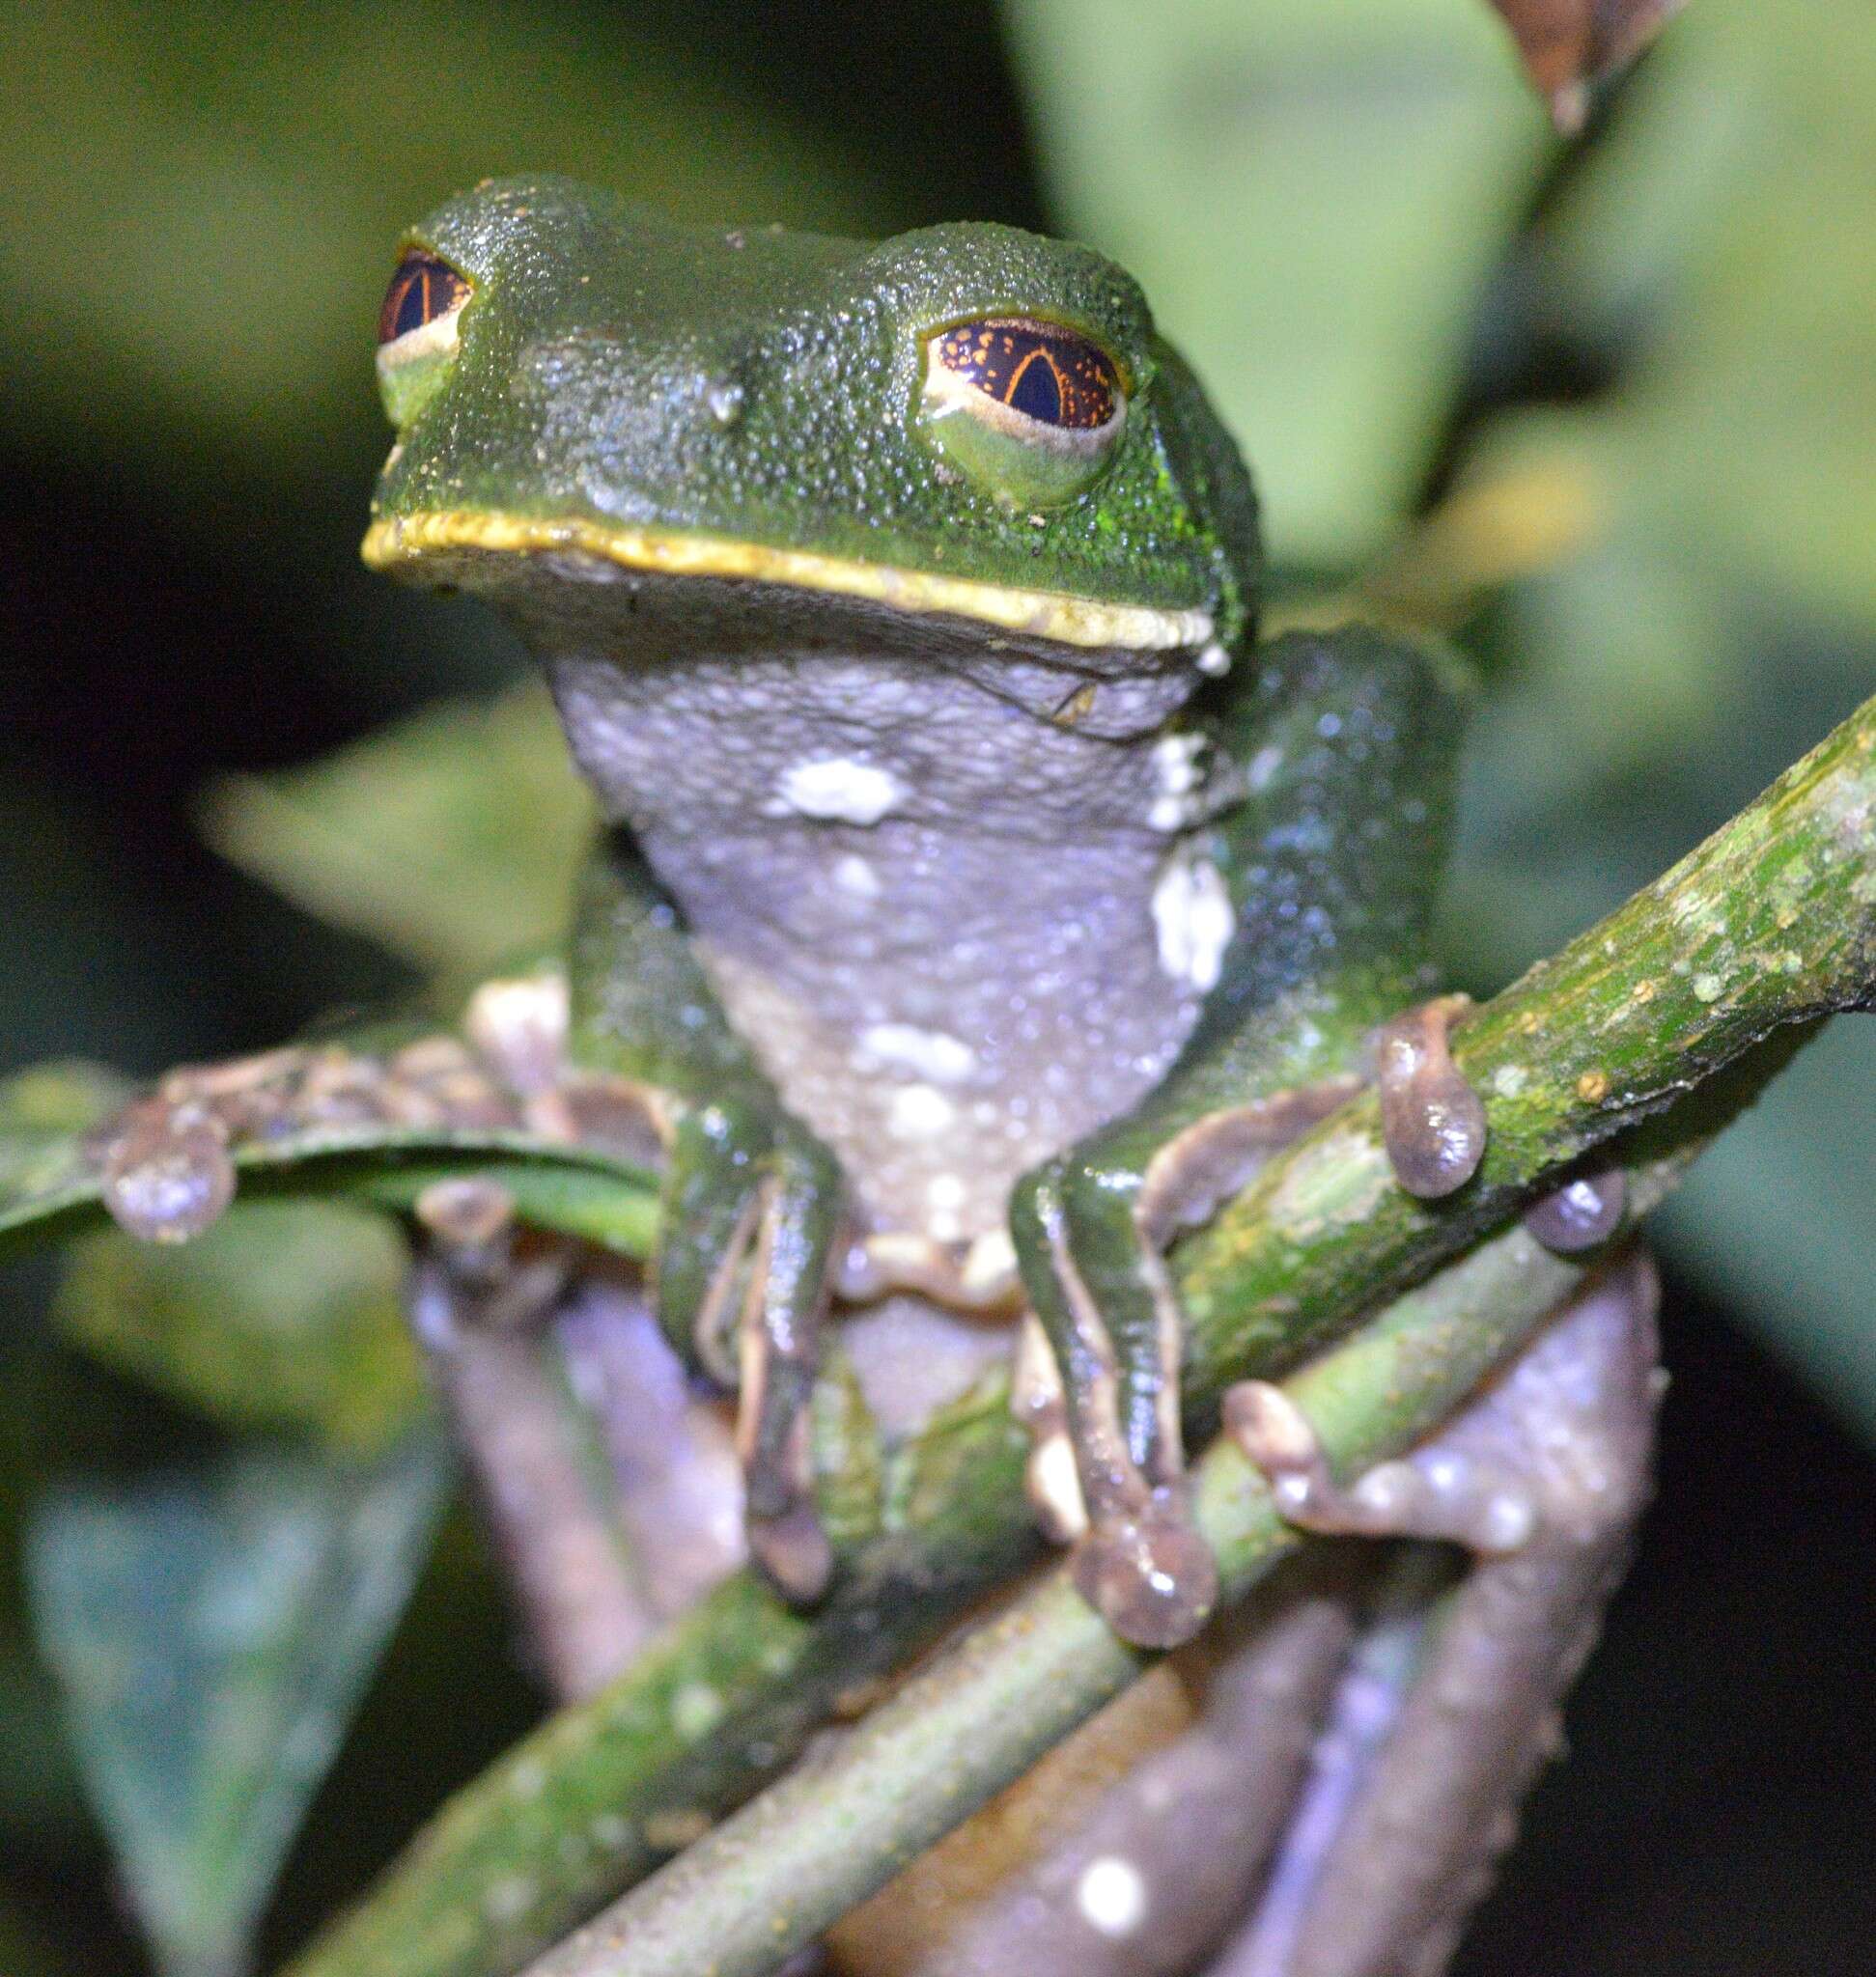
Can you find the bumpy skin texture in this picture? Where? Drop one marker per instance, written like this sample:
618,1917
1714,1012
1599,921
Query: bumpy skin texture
760,386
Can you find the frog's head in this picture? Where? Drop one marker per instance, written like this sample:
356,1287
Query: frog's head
967,423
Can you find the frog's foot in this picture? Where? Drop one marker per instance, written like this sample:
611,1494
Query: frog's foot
1103,1379
166,1161
1431,1118
1448,1716
750,1212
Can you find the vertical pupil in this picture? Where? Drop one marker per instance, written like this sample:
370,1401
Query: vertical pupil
1035,389
414,310
422,290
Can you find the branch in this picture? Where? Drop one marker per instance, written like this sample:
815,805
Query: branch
775,1875
1771,923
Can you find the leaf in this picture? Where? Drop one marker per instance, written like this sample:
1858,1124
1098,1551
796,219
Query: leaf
213,1635
45,1114
451,839
1312,191
284,1315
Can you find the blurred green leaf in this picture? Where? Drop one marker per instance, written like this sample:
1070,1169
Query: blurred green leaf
1712,612
1312,192
451,839
202,208
213,1635
45,1113
1732,206
38,1789
284,1315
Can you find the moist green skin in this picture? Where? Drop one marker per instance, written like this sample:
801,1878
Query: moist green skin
762,386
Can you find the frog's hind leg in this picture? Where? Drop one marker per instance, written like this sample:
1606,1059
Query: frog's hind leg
484,1316
1452,1707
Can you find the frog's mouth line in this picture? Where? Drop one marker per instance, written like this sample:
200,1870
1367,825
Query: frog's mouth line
395,541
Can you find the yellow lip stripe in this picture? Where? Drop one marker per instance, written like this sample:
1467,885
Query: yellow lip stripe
399,539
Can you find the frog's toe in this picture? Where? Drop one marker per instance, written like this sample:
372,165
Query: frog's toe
1444,1490
1581,1215
792,1548
1431,1119
1149,1574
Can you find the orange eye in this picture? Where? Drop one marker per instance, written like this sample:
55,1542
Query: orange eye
422,290
1038,369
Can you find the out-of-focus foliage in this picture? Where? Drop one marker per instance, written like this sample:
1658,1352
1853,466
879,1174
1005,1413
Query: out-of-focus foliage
1333,221
283,1316
1312,192
452,839
1719,610
1570,46
201,275
211,1633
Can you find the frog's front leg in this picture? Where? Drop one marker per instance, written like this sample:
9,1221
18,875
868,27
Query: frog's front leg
1442,1722
751,1205
1319,870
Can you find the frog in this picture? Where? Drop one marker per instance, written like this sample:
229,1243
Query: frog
982,898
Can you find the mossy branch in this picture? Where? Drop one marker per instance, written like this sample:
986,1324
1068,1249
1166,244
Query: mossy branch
1770,925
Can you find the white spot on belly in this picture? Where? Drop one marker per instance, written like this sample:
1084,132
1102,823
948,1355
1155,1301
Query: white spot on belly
840,791
1193,919
918,1112
945,1060
1215,660
1111,1894
1177,769
1264,764
944,1197
855,876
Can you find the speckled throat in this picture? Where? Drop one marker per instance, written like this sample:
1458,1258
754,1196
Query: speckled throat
918,856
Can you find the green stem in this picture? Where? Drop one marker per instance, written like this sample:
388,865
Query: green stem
775,1875
1768,925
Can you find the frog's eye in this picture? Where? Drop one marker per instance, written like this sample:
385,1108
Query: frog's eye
417,332
1030,410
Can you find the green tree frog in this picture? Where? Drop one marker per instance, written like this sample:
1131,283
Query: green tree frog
982,900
